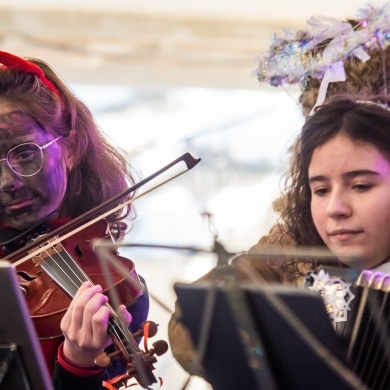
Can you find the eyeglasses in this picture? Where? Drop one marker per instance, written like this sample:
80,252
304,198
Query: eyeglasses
27,159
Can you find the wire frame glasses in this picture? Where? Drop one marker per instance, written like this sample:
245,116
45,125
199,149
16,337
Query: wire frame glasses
27,159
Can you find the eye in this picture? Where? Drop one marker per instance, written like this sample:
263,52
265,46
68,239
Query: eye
23,154
362,187
320,191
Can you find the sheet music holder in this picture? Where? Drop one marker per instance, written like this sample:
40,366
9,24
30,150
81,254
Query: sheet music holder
294,362
22,365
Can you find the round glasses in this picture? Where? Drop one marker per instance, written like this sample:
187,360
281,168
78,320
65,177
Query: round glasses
27,159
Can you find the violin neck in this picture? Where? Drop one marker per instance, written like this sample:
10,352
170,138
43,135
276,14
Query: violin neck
122,336
138,366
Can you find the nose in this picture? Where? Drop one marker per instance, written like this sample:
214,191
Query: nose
338,205
9,180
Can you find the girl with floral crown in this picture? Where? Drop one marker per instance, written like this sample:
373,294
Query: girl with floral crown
331,59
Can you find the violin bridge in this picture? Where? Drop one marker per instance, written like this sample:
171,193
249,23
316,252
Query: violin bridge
50,251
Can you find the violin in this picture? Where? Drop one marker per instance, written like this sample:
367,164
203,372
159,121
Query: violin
52,267
53,276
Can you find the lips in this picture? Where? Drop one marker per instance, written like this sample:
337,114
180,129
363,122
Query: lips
344,234
16,204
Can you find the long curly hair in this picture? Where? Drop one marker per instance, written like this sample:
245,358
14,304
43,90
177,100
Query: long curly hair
365,121
100,170
295,225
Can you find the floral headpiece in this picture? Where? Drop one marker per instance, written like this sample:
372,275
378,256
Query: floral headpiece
320,51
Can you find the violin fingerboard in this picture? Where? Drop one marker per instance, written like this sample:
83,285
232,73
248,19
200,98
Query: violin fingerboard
64,271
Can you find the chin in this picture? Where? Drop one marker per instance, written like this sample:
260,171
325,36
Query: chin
22,225
352,257
23,221
357,262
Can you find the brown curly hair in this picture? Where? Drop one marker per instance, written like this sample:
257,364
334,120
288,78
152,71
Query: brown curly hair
362,78
360,120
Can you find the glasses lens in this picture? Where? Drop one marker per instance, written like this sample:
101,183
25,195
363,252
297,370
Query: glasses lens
25,159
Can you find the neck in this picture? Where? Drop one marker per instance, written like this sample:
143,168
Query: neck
384,267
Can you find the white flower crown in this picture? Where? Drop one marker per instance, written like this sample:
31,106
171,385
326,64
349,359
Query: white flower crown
320,51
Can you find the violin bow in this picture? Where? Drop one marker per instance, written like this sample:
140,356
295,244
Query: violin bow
187,158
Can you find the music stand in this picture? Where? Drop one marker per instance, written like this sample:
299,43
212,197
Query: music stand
293,358
22,365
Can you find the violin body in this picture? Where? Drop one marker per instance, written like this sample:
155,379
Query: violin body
48,302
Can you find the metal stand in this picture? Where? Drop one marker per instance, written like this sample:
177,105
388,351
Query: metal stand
22,364
273,337
12,372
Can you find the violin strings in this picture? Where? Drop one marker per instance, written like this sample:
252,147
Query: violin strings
117,325
59,274
114,330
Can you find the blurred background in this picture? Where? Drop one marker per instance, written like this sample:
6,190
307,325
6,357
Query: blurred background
168,77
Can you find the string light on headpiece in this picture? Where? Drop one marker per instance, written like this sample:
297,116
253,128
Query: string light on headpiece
321,50
373,103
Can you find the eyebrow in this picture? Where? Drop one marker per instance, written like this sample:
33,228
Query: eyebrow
346,175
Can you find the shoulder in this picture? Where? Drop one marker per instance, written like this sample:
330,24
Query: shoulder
277,236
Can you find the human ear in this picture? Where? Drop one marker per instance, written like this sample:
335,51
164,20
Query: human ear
68,154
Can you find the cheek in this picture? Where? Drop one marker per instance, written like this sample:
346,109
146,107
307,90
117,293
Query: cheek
378,218
317,215
54,181
376,209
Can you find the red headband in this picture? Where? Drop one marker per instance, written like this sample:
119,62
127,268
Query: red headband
14,62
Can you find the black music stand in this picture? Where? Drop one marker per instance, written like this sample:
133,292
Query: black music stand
22,365
254,342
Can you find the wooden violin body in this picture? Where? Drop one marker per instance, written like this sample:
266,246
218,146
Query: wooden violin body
46,299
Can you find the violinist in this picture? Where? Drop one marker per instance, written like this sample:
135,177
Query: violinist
55,165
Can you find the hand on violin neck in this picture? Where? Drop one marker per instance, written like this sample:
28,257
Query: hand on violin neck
85,325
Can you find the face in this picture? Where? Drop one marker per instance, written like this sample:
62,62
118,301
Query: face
24,201
350,205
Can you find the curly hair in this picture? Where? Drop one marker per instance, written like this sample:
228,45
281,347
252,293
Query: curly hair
365,121
364,78
100,171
